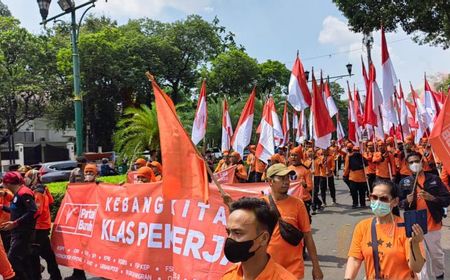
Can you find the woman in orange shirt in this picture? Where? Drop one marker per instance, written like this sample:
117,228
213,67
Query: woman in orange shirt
398,257
43,200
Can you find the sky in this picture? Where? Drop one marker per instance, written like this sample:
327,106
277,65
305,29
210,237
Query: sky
271,29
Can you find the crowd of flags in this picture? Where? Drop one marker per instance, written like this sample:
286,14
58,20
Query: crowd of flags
386,112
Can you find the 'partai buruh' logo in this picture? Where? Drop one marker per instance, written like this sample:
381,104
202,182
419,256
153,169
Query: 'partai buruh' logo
77,219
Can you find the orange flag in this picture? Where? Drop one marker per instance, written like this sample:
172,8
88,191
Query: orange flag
185,174
440,135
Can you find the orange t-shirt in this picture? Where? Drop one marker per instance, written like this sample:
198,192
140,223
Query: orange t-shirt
421,204
357,176
293,211
318,166
5,198
327,168
43,201
272,271
371,167
303,175
393,250
384,164
240,173
403,166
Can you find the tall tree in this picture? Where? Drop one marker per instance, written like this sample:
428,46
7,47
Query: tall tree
428,21
23,88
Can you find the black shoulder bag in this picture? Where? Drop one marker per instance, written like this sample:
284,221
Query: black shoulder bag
376,259
290,233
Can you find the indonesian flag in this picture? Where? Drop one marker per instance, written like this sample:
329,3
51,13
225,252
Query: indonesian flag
277,129
440,136
365,76
373,99
422,117
403,110
266,148
299,95
295,121
243,133
227,129
352,119
285,125
389,77
323,124
331,106
302,130
176,147
339,130
412,122
201,115
431,106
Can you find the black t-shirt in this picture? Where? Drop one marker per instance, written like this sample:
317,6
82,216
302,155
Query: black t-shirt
23,209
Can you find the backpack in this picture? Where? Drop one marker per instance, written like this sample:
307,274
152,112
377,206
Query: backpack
356,162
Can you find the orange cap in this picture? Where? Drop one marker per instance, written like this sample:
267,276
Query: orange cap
236,155
146,172
91,168
141,162
157,165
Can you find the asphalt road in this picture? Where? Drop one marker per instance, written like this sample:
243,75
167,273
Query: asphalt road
332,229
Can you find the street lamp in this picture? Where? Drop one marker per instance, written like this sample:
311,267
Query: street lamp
349,67
68,6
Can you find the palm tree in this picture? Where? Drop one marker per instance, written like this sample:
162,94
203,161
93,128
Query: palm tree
137,131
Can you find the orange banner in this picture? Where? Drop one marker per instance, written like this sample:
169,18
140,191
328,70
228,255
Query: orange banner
131,232
226,176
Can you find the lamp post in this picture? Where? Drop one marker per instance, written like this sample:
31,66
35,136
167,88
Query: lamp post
68,6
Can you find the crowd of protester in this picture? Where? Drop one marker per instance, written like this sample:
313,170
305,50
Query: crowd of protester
270,237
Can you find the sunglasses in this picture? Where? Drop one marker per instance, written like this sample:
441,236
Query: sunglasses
380,198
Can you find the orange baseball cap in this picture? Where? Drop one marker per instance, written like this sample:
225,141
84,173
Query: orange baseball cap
146,172
141,161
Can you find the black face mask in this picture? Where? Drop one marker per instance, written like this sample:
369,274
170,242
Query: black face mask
238,251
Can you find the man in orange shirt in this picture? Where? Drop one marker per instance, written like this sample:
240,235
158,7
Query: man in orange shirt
303,174
327,177
240,175
401,163
43,200
250,226
6,197
384,162
371,168
429,194
140,162
257,167
224,163
293,211
317,172
354,172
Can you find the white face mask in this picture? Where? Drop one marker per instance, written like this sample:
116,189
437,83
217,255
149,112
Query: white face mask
415,167
89,178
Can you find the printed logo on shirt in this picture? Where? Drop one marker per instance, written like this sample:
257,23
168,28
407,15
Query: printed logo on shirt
77,219
14,200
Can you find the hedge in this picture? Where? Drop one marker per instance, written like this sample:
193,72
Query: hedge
58,190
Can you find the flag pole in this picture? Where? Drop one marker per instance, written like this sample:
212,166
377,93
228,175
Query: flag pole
225,196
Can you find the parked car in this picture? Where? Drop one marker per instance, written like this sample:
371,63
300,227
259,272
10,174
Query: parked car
57,171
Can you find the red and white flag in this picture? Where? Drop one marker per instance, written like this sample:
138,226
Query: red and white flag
285,125
323,124
243,132
227,129
422,117
295,121
266,147
430,103
331,106
201,116
299,95
339,130
403,110
277,128
389,77
302,130
352,119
